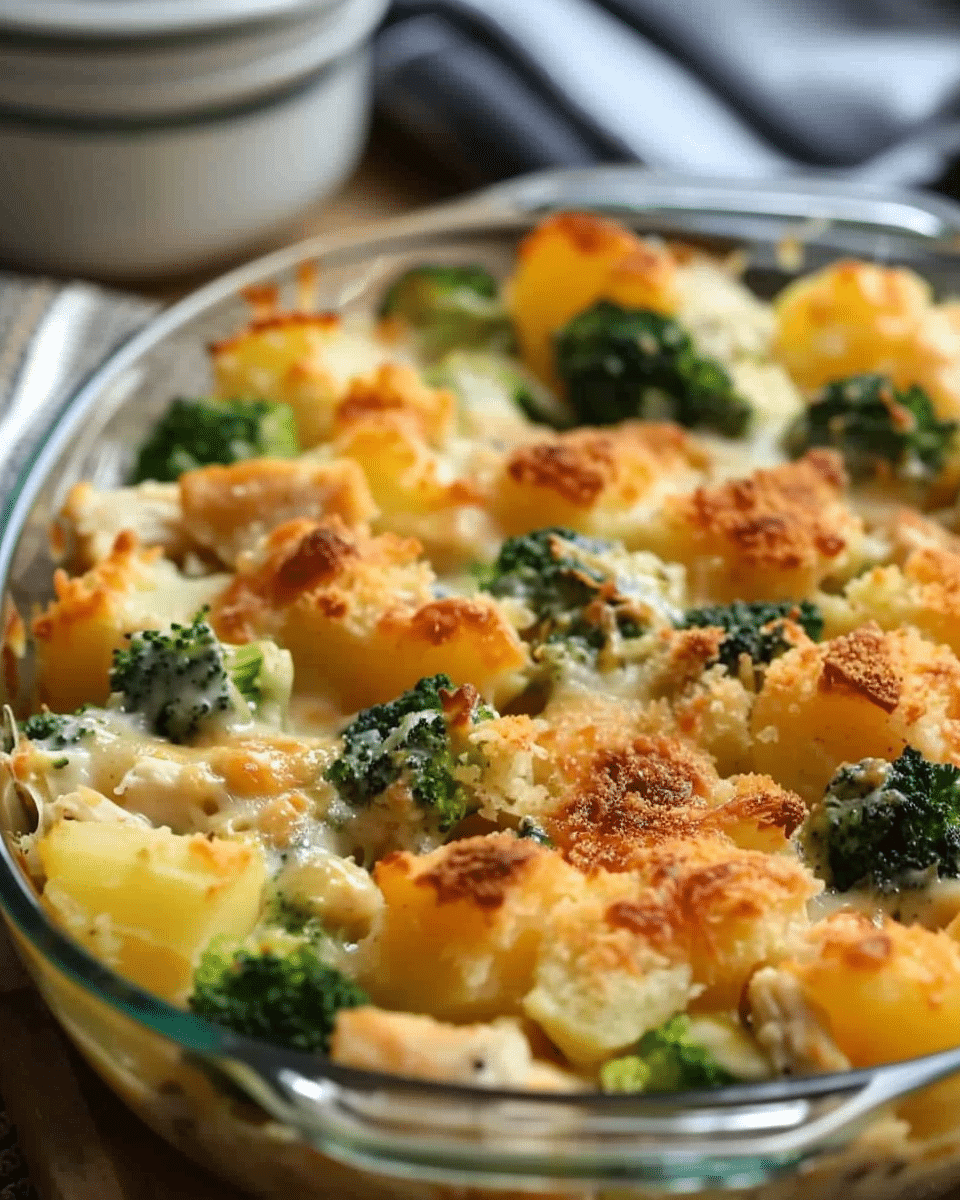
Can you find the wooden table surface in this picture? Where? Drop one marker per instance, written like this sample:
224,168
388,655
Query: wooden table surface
79,1141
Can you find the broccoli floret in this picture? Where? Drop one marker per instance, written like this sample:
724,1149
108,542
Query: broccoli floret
754,629
449,308
57,730
486,382
408,738
263,674
196,433
876,427
619,363
667,1059
572,600
887,825
290,998
180,679
294,917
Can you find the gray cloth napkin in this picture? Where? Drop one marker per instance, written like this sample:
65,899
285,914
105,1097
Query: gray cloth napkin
867,90
51,336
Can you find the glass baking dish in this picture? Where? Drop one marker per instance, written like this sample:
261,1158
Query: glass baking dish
281,1123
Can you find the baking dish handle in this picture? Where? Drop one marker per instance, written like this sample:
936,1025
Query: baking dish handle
736,1138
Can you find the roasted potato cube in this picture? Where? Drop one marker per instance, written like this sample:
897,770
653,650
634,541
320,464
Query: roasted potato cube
77,633
865,694
335,597
775,535
305,360
888,992
463,925
604,482
148,900
573,259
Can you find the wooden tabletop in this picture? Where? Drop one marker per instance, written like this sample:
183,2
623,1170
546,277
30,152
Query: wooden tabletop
79,1142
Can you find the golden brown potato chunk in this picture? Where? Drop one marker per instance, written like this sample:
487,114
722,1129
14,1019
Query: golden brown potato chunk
337,598
605,482
865,694
463,924
569,261
775,535
855,317
77,633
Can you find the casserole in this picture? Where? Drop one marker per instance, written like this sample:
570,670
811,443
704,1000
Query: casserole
360,1130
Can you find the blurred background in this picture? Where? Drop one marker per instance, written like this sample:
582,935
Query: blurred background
163,139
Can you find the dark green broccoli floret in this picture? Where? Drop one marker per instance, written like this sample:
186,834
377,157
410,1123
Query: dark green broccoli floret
887,825
291,999
179,679
619,363
408,738
450,308
754,629
667,1059
572,601
57,730
876,427
196,433
294,917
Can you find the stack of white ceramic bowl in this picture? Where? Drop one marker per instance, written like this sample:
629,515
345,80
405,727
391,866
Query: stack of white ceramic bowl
145,137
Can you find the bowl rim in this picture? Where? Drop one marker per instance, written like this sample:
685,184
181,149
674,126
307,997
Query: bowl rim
110,21
926,222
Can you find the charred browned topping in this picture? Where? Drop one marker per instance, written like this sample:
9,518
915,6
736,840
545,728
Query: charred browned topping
642,794
479,870
301,555
441,620
590,234
763,803
324,320
685,894
647,917
691,650
775,517
860,663
460,705
274,320
394,387
263,298
578,471
315,561
871,951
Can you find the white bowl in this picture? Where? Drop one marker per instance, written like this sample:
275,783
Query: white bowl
146,156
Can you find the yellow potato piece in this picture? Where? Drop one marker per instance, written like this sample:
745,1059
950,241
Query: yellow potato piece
148,899
570,261
856,317
305,360
77,633
888,993
866,694
336,598
463,925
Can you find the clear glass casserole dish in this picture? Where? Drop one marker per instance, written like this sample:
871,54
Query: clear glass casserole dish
278,1122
